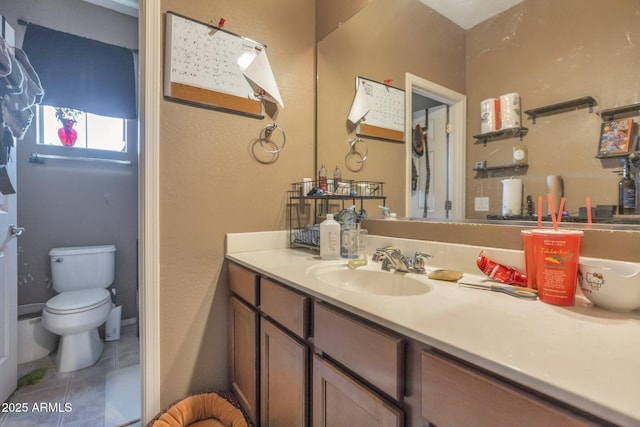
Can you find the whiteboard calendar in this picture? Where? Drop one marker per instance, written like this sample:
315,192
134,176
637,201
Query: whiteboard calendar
204,66
385,119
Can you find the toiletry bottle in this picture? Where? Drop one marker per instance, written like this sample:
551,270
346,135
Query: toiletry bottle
348,224
322,178
386,213
530,206
501,273
357,250
626,191
329,238
337,176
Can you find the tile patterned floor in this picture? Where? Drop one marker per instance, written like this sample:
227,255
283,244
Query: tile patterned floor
71,399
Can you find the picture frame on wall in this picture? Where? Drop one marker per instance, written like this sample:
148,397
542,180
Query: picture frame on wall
616,137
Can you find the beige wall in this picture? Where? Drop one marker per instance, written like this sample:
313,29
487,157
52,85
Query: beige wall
549,52
383,41
213,180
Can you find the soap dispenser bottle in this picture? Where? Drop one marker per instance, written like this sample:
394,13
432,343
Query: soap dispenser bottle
348,224
329,238
358,247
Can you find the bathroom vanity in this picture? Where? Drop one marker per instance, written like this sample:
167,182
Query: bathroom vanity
308,345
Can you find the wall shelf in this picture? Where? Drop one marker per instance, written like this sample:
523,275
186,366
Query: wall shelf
562,107
622,112
501,134
611,156
500,168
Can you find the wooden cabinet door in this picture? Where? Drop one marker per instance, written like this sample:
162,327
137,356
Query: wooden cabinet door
243,355
340,401
284,378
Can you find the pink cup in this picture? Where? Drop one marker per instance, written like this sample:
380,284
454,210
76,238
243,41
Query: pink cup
557,253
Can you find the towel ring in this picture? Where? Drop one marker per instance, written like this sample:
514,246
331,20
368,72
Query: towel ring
265,136
354,150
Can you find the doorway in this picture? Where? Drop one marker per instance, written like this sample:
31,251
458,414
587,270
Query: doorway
114,186
438,175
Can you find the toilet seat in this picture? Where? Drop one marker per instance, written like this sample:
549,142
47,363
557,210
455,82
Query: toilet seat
77,301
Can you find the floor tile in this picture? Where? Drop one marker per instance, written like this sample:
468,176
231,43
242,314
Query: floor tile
71,399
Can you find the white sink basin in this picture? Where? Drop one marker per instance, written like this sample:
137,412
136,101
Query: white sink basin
370,279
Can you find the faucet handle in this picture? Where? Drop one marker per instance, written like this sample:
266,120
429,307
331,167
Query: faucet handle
419,260
380,253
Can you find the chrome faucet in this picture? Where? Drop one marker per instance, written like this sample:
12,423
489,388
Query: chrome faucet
393,258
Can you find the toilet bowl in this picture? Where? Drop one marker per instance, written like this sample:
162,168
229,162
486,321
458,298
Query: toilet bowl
75,316
80,276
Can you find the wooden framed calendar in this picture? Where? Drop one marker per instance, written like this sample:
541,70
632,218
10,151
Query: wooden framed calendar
385,119
203,67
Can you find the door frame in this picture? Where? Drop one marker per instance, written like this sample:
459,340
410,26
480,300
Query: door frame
151,45
458,118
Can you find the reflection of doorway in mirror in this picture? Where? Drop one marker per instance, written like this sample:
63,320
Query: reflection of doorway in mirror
445,112
433,122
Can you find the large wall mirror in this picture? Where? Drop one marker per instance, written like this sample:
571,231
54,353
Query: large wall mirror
547,51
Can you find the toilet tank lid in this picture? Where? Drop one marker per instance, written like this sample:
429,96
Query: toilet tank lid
81,250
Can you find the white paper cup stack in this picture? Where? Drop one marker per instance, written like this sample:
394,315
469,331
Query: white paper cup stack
490,115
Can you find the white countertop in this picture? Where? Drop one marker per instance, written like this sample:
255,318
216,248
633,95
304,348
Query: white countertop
581,355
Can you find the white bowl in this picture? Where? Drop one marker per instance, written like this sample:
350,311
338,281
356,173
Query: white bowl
613,285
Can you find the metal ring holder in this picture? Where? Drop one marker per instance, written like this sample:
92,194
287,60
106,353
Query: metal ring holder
265,137
353,150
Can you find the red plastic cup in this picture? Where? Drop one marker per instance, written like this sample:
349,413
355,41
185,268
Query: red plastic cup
557,253
529,258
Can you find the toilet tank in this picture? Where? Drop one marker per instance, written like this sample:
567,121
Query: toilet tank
82,267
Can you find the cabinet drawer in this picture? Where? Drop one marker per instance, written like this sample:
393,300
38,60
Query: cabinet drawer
287,307
243,283
375,355
454,395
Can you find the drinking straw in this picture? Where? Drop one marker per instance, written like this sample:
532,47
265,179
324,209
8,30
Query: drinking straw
588,212
552,209
560,210
539,211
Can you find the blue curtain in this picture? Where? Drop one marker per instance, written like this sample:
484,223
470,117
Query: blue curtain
81,73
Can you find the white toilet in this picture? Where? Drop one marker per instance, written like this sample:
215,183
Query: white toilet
80,275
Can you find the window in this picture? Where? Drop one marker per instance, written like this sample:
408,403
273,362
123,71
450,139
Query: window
93,131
